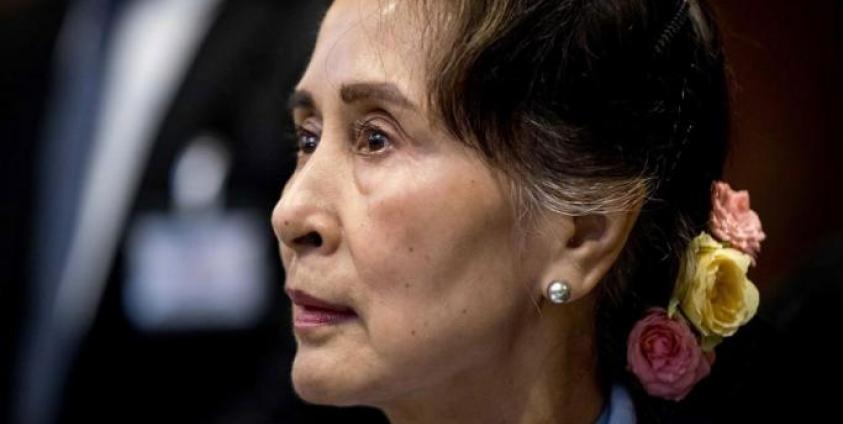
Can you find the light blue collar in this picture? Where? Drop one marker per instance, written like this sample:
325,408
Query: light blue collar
619,408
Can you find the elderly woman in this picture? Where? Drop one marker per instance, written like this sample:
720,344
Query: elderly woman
499,209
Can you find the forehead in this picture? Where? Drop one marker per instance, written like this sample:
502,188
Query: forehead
368,41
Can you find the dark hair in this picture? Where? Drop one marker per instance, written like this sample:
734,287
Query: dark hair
591,107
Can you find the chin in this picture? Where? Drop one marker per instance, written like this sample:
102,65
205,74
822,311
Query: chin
325,382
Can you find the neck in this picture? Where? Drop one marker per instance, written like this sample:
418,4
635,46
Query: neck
529,381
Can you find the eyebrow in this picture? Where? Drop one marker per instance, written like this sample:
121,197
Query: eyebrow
355,93
386,92
301,99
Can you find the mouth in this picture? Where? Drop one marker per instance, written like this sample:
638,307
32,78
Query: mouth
310,311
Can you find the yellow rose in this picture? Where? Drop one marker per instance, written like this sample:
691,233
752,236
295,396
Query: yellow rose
712,289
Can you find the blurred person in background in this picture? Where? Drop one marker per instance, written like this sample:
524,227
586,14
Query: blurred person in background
146,144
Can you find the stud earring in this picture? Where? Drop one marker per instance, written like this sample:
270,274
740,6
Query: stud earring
558,292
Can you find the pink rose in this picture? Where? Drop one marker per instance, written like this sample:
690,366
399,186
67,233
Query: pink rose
733,222
663,353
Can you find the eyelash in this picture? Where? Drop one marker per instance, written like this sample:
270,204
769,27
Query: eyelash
305,147
362,133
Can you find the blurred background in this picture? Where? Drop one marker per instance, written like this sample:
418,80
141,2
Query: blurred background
144,143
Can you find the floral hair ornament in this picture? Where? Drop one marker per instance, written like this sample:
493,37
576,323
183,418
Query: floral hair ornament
671,350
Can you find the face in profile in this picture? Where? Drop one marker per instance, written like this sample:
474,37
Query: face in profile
403,259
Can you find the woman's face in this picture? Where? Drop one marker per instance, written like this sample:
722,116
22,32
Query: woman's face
407,236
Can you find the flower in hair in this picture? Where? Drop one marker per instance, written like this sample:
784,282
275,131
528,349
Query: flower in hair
733,222
663,353
713,290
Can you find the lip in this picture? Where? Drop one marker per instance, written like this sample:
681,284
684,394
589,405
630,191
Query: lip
310,311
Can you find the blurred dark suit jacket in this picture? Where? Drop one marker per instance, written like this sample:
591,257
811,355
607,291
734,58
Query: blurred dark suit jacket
235,89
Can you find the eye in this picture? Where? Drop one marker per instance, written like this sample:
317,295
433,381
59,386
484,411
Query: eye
306,141
369,139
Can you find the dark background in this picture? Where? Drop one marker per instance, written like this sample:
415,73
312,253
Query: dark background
786,63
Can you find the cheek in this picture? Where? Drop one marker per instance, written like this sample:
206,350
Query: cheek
436,262
420,224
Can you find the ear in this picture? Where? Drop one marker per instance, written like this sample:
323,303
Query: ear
585,248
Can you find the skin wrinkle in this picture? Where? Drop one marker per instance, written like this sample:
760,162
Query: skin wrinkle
426,245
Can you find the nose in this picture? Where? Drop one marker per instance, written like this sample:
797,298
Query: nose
305,219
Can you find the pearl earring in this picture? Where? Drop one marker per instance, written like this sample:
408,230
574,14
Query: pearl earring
558,292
